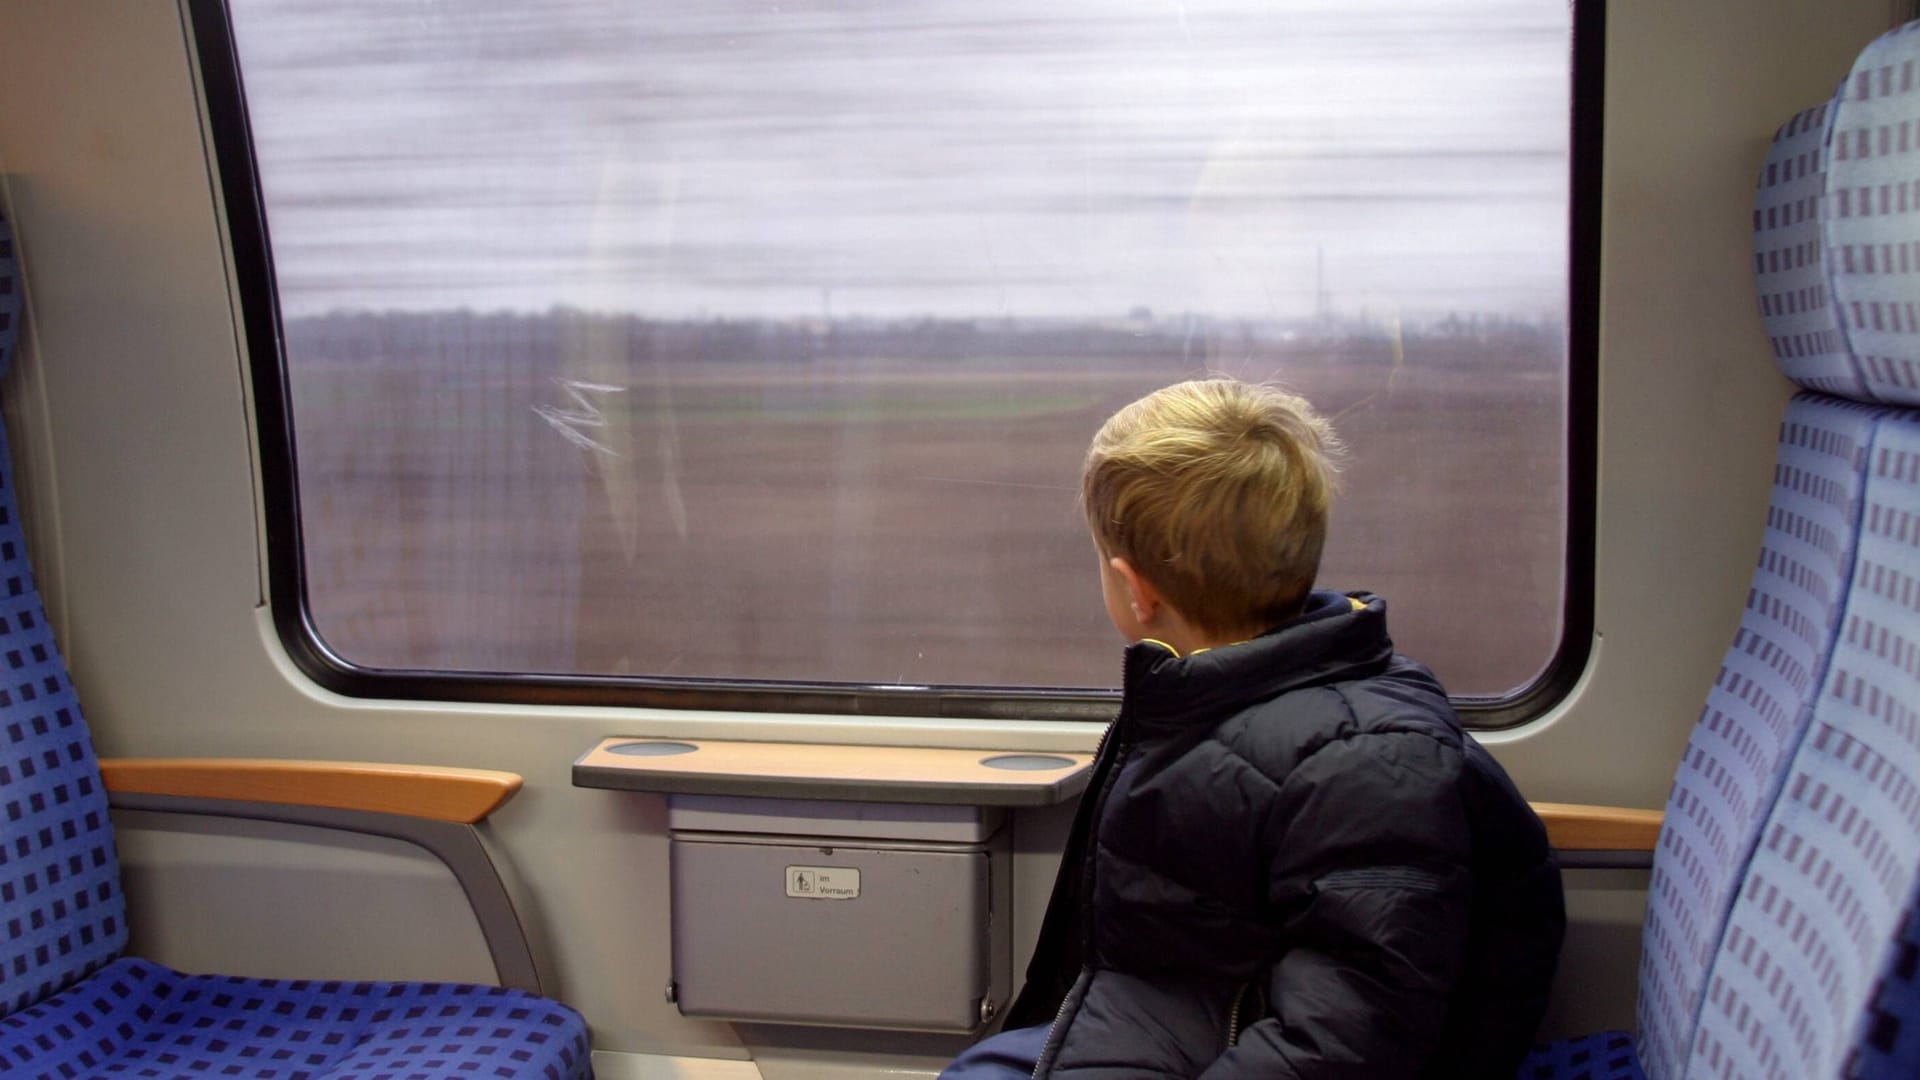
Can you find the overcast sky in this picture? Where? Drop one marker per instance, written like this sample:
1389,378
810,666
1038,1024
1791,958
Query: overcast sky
906,157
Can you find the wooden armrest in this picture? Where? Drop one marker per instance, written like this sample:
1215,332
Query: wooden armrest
1572,827
423,791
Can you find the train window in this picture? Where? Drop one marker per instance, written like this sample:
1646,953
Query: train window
749,348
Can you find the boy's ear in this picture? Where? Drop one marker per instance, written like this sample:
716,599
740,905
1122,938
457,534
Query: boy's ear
1142,597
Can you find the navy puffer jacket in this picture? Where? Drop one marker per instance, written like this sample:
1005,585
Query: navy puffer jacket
1291,862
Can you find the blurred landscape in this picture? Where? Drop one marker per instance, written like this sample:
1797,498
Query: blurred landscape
873,501
763,338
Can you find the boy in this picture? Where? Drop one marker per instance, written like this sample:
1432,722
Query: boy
1290,862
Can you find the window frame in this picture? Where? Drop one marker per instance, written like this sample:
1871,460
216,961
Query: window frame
223,98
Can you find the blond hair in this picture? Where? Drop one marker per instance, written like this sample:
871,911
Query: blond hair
1217,492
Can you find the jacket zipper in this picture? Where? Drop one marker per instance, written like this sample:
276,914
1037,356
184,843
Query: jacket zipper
1114,732
1092,856
1234,1016
1052,1044
1055,1031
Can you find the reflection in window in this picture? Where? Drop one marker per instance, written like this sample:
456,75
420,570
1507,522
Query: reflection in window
762,340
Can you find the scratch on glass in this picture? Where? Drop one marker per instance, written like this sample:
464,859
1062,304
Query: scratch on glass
993,262
668,426
584,414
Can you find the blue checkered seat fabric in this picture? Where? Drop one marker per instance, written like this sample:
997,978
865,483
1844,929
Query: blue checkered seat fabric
1836,256
137,1018
1755,714
1872,216
1813,977
1606,1056
1817,925
72,1007
60,899
1735,759
1887,1040
1790,267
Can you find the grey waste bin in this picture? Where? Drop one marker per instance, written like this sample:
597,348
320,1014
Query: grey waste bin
871,915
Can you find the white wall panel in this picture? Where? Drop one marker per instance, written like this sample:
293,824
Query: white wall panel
132,419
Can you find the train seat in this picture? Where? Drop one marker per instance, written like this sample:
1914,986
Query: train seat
1783,915
72,1006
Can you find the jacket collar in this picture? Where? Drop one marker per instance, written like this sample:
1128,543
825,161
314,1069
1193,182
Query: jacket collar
1338,636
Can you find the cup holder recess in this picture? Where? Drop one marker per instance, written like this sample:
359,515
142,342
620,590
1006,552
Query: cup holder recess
1027,762
651,749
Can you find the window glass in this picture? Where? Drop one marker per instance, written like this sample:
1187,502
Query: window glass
762,340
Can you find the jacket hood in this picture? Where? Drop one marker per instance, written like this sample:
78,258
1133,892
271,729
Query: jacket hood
1339,636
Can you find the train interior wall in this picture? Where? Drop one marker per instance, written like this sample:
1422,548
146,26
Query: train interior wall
130,417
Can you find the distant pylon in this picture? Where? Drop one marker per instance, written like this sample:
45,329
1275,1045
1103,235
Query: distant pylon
1322,309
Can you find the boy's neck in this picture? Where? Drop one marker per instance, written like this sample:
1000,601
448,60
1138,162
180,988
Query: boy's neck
1174,631
1185,640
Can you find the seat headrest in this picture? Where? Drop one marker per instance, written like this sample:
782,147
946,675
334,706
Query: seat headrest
1836,226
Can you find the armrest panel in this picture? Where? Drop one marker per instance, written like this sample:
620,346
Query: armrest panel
465,796
458,845
1572,827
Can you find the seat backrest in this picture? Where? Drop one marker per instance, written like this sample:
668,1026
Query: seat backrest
1817,918
1792,843
1814,975
1759,706
1755,715
60,900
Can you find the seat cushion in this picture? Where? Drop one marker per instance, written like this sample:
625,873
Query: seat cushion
1606,1056
1887,1040
137,1018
